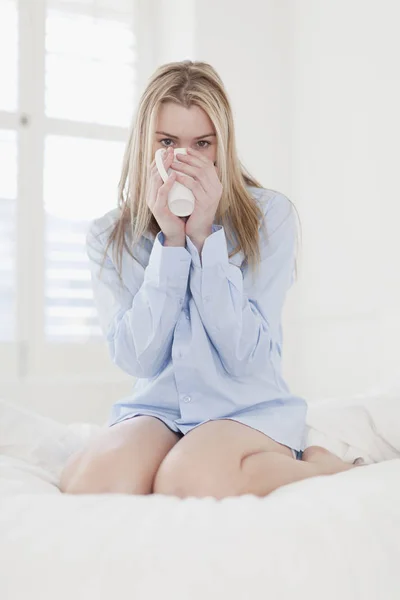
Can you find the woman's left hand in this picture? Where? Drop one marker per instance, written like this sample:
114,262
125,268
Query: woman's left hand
206,188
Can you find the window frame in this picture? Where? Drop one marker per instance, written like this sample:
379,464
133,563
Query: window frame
30,357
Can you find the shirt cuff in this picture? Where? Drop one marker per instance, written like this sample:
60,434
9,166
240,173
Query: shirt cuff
214,252
169,266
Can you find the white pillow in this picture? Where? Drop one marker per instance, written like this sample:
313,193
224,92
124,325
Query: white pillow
365,424
40,441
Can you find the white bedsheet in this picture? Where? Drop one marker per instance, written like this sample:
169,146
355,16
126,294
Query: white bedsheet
329,537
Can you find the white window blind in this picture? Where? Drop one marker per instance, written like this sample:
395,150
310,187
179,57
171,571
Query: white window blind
81,177
90,66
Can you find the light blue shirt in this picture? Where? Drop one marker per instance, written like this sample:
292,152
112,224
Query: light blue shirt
203,338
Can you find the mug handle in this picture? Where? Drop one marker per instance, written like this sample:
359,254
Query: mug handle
160,164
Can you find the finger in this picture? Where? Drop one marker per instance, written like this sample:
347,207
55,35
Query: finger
198,154
162,196
192,160
186,169
167,159
155,174
154,193
156,182
202,175
192,184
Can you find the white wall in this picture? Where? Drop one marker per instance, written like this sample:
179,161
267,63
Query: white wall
174,30
316,88
346,123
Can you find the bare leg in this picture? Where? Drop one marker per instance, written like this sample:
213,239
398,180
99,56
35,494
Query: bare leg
328,461
267,471
223,458
121,459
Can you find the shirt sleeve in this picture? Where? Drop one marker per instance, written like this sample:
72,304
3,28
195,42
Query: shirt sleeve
241,312
138,316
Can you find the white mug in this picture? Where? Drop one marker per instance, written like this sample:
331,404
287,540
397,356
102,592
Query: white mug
180,198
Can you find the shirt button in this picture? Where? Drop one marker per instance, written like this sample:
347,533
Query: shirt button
186,398
187,316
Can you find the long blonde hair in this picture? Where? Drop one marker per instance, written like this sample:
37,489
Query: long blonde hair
187,83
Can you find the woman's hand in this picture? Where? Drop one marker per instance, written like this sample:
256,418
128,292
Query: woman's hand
173,227
207,190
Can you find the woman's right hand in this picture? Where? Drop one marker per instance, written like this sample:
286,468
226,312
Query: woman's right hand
173,227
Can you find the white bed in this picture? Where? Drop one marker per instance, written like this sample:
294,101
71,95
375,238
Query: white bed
325,538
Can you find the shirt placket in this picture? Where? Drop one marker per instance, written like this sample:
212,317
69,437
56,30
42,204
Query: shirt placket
182,365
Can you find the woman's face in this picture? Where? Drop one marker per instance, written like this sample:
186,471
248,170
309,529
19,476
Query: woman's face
181,127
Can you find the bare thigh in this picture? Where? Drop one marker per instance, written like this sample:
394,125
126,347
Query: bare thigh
212,459
123,458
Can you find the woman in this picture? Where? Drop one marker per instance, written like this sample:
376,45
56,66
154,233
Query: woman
191,307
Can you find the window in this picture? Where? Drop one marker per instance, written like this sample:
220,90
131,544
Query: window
8,162
8,194
69,72
8,54
90,59
80,183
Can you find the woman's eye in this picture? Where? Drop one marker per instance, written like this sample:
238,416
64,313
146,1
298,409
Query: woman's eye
166,142
203,142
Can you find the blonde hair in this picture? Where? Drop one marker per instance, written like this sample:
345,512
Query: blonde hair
187,83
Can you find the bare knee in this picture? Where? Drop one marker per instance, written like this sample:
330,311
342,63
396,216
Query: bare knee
89,473
170,480
178,476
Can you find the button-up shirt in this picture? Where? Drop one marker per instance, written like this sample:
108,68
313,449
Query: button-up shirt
202,335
